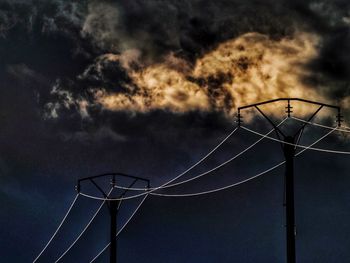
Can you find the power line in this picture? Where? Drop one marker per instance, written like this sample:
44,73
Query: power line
244,181
188,180
226,162
257,133
188,169
215,168
297,145
84,230
58,228
121,229
181,195
222,188
289,155
320,125
288,140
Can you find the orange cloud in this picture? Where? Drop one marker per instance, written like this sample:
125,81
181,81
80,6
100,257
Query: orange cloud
244,70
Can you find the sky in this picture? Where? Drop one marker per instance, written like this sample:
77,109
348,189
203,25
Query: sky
148,88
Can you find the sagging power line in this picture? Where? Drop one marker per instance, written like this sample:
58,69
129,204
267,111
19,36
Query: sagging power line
289,145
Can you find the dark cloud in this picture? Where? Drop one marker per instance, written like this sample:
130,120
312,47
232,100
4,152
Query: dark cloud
191,27
330,19
83,32
187,29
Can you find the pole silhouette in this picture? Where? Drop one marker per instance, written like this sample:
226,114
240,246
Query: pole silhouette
113,204
289,152
113,210
288,148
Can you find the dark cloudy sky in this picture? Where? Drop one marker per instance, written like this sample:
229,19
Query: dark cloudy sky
147,87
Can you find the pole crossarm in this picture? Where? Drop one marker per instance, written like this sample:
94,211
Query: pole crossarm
112,203
289,99
289,111
113,176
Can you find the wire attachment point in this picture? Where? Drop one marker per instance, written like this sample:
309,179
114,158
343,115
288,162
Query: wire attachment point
289,109
339,119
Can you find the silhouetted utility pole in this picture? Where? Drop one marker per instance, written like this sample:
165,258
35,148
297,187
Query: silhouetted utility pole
113,203
289,153
113,210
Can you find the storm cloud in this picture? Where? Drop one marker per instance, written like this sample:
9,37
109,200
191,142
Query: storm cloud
147,87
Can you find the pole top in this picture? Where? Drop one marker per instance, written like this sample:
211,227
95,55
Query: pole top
239,118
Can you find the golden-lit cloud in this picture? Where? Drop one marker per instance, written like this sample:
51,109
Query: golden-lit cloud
244,70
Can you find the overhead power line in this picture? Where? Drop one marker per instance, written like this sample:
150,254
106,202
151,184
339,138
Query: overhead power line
321,125
212,170
188,169
58,229
84,230
191,179
297,145
289,144
245,180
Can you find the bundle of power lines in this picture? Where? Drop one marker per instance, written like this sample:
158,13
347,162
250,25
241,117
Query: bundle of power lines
171,183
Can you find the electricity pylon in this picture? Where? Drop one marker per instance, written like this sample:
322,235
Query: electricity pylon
113,203
289,152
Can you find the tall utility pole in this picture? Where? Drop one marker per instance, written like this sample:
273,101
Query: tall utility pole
113,210
113,203
289,152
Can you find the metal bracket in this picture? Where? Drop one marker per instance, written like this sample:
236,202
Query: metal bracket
339,118
239,119
289,109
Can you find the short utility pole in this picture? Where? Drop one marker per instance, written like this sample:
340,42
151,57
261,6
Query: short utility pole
113,203
289,152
